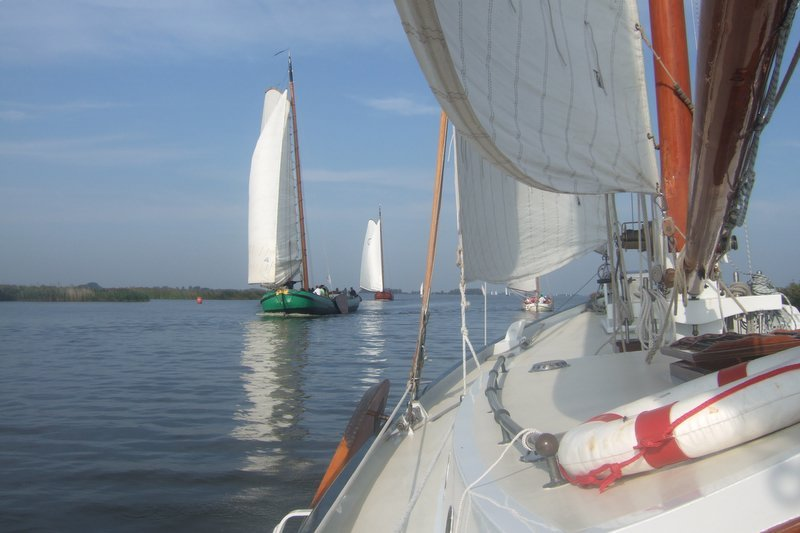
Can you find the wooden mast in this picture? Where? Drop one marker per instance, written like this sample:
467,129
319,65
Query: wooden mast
306,281
673,84
735,51
419,356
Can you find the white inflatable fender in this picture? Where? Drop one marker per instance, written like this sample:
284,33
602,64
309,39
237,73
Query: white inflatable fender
696,418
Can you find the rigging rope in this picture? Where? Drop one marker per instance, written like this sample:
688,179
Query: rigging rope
789,72
525,435
465,342
654,306
423,481
761,284
676,87
747,248
737,208
574,294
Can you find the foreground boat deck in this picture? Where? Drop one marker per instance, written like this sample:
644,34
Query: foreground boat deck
416,481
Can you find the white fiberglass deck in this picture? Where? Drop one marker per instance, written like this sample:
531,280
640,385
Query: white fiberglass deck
416,482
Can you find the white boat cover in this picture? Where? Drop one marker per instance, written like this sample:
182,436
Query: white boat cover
371,258
273,229
552,93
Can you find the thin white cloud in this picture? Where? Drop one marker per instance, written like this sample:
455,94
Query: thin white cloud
401,106
15,111
789,143
54,30
99,150
9,115
403,178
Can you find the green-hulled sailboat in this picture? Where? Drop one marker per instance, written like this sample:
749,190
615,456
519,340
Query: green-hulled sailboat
276,227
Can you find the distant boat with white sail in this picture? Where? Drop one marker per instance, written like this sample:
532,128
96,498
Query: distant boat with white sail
276,227
372,261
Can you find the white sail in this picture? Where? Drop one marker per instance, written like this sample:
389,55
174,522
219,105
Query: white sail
371,258
273,232
571,117
548,102
512,233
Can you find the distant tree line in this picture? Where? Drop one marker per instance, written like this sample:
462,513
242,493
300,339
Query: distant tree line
793,293
92,292
470,290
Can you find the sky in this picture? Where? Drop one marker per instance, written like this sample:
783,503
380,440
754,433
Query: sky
127,128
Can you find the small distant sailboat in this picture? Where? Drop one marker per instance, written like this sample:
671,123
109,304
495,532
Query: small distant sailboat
372,261
276,227
538,302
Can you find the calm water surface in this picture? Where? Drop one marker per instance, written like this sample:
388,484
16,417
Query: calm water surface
169,415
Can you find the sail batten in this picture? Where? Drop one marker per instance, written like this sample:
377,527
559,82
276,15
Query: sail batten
571,118
273,252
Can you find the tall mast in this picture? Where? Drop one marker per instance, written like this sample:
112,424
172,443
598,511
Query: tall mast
380,235
303,252
668,26
736,49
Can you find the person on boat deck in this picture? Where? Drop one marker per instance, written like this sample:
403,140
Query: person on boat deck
352,292
318,290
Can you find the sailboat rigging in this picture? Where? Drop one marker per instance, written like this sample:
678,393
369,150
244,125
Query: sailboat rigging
276,225
677,399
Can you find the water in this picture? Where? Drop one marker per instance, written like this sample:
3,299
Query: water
169,415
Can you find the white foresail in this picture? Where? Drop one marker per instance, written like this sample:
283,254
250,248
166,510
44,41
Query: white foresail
371,257
511,232
552,93
273,233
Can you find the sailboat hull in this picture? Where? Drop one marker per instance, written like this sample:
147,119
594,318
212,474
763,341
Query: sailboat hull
488,446
384,295
297,302
537,307
462,442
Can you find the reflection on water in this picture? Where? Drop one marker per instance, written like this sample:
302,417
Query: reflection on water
169,415
371,343
273,356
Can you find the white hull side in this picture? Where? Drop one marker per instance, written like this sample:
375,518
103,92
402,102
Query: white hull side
410,482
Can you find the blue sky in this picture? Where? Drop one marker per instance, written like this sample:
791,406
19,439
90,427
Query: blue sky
127,127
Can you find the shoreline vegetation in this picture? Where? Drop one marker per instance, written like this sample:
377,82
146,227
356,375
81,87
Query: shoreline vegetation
92,292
